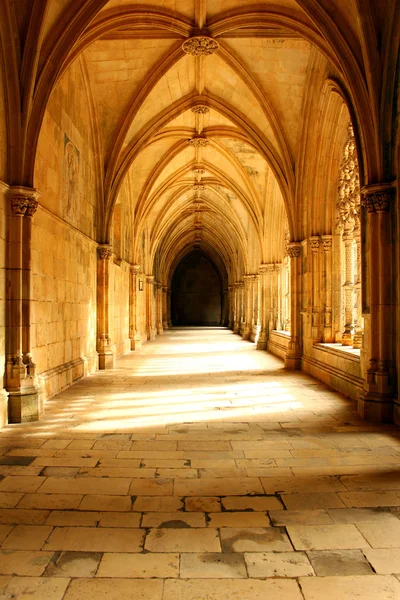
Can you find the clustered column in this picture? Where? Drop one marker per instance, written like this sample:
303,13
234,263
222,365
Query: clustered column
293,356
105,348
133,277
24,400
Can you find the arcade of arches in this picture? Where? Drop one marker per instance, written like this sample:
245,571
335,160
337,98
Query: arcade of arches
199,162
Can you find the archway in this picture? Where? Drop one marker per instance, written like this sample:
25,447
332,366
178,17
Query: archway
196,292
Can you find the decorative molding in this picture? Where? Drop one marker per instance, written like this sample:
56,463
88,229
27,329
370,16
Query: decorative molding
23,200
200,45
377,198
105,251
199,187
150,279
19,205
135,269
314,242
197,142
326,242
349,184
200,109
199,171
294,249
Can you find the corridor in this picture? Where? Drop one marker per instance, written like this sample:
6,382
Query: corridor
199,469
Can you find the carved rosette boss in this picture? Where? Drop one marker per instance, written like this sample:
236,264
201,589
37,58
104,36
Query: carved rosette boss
200,45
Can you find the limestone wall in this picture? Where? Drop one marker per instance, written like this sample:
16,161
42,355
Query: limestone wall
119,307
3,395
64,307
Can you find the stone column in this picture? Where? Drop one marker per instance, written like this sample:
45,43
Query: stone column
133,277
357,305
255,324
347,337
169,317
293,356
278,271
236,308
287,323
316,328
20,378
159,309
328,336
248,304
231,297
264,333
105,348
149,307
164,307
378,400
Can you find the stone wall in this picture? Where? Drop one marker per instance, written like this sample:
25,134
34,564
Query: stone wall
119,307
3,395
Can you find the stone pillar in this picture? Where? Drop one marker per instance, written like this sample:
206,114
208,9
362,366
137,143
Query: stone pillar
248,305
104,347
20,379
169,317
347,337
377,400
255,325
316,325
287,323
278,271
133,277
164,290
328,336
293,356
262,340
149,307
357,305
159,308
236,308
231,300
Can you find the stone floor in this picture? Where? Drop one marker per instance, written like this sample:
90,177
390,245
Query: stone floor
199,469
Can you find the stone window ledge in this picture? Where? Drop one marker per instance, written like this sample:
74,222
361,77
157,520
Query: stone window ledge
281,332
339,350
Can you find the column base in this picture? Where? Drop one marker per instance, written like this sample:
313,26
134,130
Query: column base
246,333
165,325
106,360
3,408
262,344
396,414
293,363
373,407
160,330
24,405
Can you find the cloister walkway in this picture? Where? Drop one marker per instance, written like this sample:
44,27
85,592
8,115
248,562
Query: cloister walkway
199,469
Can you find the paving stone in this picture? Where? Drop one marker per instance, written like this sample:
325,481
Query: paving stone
26,563
5,530
381,535
232,589
277,564
370,499
326,537
73,564
9,499
86,485
157,504
251,503
112,503
254,540
312,500
35,588
183,540
296,517
350,588
174,520
355,515
92,539
114,589
22,484
216,487
139,565
339,562
51,501
74,518
383,561
119,519
200,504
238,519
18,516
27,537
212,565
151,487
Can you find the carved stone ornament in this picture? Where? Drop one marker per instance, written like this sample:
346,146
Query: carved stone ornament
327,243
200,109
199,187
150,278
199,171
294,251
32,207
262,269
349,184
314,244
135,269
286,239
105,252
377,201
19,205
200,45
197,142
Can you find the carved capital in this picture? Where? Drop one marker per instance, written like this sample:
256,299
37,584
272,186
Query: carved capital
198,171
135,269
262,269
197,142
199,187
294,249
23,200
104,251
200,109
270,268
314,243
326,242
377,198
278,267
200,45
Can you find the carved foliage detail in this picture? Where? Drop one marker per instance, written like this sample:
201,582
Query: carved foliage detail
200,45
348,205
